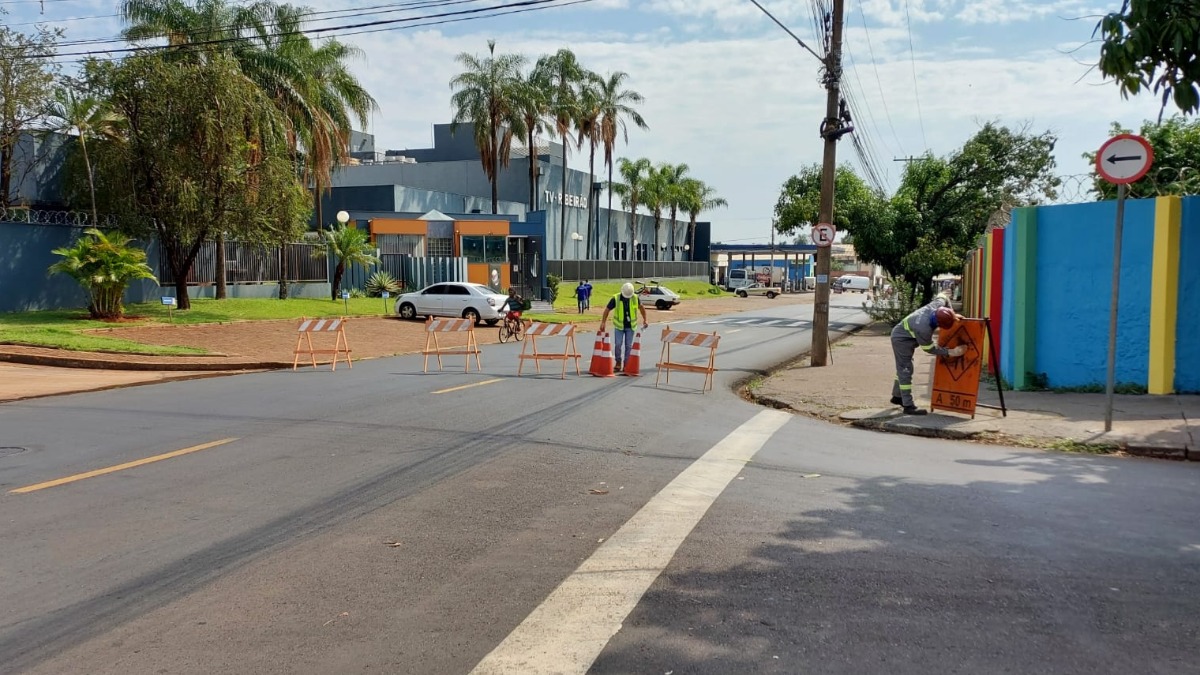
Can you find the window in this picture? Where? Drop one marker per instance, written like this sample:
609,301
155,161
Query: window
407,244
472,249
439,289
495,249
457,289
440,247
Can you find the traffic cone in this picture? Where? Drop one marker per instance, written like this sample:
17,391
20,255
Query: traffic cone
633,365
602,364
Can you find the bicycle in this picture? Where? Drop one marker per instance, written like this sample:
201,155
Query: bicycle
512,327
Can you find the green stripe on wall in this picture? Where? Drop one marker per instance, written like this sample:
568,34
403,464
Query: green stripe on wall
1024,295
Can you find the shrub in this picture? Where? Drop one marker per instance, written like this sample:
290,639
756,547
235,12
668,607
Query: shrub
382,281
104,265
552,282
903,299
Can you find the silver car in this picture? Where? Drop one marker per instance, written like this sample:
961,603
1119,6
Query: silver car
458,299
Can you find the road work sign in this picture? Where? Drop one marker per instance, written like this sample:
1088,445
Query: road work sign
956,380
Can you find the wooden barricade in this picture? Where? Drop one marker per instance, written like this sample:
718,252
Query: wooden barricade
677,337
304,343
433,326
536,329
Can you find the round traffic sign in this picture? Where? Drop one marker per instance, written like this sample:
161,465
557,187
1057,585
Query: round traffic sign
823,234
1124,159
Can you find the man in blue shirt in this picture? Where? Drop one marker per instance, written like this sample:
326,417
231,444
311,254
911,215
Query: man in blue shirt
624,307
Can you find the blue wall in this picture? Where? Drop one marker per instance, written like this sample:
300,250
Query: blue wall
1187,354
1074,291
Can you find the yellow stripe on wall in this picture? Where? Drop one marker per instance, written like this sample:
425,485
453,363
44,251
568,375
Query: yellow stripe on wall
1164,294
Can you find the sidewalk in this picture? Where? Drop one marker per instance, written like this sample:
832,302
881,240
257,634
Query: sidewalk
855,388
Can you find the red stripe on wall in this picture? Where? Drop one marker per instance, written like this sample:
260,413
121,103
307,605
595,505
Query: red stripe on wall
996,311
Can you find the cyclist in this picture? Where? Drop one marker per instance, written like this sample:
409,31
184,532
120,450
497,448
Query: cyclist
511,307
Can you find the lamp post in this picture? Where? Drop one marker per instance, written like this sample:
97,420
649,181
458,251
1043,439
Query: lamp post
343,217
634,252
686,254
576,237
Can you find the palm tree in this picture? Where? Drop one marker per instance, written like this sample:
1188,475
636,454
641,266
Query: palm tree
616,105
349,246
673,176
655,192
104,265
87,116
533,102
588,124
698,197
487,95
634,173
564,73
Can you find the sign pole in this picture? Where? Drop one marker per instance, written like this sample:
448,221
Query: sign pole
1110,383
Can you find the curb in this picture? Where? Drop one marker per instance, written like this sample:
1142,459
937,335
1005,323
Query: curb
162,366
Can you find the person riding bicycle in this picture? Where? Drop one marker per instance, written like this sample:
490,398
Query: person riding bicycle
514,303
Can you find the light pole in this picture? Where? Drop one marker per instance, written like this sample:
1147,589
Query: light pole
634,253
343,217
686,249
576,237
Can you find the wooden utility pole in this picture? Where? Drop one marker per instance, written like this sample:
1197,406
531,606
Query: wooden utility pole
830,130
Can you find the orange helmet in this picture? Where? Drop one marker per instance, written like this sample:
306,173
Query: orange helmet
946,318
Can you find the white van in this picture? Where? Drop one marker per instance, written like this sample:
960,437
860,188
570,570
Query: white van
852,282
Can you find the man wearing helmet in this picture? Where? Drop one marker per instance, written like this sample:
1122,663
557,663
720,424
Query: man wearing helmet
917,330
625,308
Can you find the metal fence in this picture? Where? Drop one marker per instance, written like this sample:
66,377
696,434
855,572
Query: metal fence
251,264
625,269
24,214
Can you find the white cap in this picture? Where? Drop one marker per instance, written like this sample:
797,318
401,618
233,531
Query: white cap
627,290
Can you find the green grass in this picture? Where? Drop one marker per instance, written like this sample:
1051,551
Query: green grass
62,329
602,291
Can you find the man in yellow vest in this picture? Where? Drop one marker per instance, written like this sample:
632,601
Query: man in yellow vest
916,330
624,307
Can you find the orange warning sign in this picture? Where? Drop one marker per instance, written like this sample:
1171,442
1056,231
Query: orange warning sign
956,380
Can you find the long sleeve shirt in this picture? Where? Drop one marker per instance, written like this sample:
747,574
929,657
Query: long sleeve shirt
921,324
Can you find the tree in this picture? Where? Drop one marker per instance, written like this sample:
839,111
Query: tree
616,106
655,195
634,173
27,72
348,245
486,95
588,124
564,73
104,265
697,198
674,196
1176,169
1149,36
90,118
533,101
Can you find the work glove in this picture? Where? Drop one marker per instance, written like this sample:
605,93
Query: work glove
958,351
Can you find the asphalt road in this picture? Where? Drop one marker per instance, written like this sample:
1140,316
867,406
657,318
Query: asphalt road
385,520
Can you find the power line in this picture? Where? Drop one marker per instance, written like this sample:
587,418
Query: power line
878,81
786,30
913,59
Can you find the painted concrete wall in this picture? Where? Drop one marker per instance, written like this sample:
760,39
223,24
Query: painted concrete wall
1074,274
1187,352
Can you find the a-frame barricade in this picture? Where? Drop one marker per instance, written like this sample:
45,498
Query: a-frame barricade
304,343
707,341
434,325
536,329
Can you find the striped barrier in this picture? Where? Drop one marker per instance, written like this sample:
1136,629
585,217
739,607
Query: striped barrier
707,341
535,330
309,326
434,325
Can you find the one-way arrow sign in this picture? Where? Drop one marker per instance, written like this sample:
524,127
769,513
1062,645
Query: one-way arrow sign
1124,159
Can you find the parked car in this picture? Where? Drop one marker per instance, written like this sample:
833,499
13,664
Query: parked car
758,289
659,297
469,301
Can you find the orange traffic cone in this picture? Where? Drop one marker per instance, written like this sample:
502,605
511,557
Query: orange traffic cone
633,365
602,363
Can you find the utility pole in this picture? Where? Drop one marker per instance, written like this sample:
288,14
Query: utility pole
831,130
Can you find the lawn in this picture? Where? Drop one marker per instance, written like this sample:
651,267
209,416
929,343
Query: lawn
63,328
601,292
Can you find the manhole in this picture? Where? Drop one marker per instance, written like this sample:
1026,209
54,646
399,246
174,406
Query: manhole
5,452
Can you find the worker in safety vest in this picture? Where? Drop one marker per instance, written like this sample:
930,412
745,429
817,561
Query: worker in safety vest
917,330
624,307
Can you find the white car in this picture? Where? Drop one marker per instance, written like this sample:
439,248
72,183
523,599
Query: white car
459,299
658,297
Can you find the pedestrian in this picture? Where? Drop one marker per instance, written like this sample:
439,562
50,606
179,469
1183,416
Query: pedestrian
917,330
581,296
587,295
624,307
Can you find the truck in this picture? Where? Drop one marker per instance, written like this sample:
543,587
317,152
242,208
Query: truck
758,289
744,276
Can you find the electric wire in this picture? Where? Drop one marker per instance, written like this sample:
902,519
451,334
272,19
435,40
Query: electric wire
786,29
878,81
913,59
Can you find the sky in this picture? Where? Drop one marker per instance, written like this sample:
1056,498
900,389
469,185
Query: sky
732,95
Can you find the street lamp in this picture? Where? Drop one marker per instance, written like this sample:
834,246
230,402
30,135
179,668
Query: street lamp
343,217
686,248
576,237
635,250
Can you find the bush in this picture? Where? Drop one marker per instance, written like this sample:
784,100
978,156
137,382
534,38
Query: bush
382,281
552,282
891,307
357,293
104,265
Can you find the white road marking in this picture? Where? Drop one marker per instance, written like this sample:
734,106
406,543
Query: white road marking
741,323
772,322
721,321
729,332
570,628
795,324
